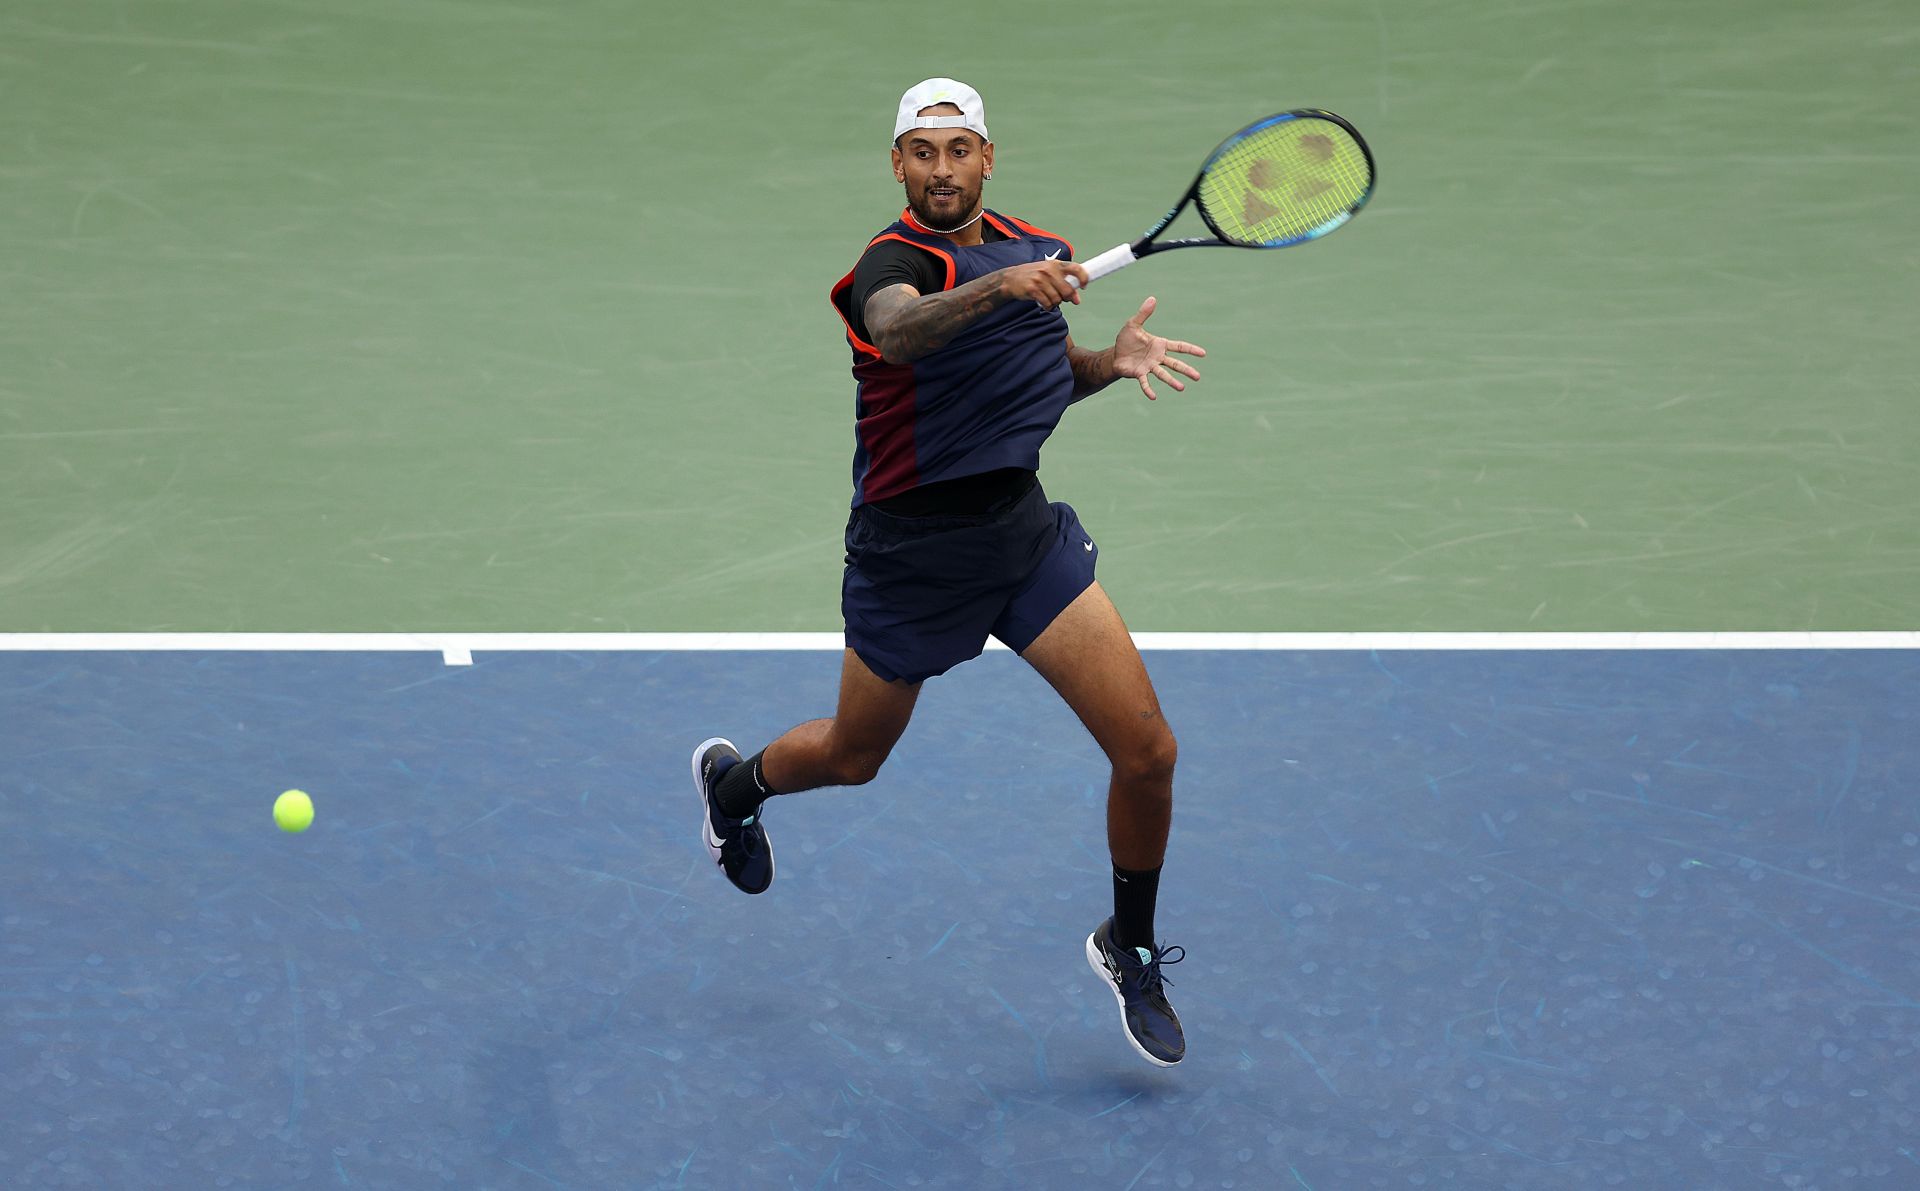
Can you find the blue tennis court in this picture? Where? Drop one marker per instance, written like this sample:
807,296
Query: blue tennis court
1548,919
478,319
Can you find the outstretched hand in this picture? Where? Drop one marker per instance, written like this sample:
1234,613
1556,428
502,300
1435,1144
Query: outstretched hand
1140,354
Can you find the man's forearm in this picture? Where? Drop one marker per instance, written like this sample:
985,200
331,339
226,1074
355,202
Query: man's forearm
906,326
1092,371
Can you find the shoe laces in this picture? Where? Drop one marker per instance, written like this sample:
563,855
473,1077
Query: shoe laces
751,833
1151,976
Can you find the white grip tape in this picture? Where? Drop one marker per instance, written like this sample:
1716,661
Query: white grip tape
1111,260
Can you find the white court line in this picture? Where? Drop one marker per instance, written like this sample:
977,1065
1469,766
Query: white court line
458,648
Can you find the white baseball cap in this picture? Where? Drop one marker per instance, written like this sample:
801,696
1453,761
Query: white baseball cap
973,111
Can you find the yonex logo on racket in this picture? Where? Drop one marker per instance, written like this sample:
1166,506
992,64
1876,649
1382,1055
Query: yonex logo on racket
1281,181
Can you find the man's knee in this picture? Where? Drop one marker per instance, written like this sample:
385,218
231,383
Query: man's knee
1149,755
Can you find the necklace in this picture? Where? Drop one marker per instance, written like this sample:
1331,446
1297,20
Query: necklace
948,231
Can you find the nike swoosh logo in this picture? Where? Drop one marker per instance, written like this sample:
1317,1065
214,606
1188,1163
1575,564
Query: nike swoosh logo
1054,255
706,820
1089,546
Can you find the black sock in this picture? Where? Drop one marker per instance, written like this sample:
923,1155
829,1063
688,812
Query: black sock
743,788
1133,896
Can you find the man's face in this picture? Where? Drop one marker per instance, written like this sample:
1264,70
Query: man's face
942,169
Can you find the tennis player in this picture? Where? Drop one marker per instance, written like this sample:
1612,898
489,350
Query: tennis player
963,367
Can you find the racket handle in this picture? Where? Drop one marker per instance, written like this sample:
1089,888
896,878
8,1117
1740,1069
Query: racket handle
1112,260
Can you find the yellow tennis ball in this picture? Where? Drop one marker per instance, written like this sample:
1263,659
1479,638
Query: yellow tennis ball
293,811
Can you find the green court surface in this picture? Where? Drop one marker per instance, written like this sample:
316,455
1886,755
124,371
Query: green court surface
434,315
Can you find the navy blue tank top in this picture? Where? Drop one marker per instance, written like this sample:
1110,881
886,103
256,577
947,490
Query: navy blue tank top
985,401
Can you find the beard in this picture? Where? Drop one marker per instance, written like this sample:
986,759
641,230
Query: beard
947,216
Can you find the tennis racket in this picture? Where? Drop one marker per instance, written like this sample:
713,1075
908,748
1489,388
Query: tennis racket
1277,182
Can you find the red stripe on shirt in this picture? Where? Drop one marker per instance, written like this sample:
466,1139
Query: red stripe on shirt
939,252
885,426
1031,230
842,300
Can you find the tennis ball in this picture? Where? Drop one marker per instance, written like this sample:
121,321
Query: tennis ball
293,811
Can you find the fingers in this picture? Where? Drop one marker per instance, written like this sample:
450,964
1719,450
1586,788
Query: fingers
1160,370
1146,311
1190,349
1147,389
1182,367
1072,279
1053,293
1056,282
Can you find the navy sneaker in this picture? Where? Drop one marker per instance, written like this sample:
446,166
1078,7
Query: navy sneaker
739,846
1134,976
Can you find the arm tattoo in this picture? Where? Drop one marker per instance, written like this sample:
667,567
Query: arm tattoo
1092,371
906,326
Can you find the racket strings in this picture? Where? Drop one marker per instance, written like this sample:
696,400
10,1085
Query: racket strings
1285,182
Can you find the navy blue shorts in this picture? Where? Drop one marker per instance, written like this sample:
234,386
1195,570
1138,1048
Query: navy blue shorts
922,594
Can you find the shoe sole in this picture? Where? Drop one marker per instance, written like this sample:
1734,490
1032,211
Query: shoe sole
1099,967
706,823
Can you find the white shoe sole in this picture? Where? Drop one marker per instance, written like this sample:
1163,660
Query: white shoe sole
1100,969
